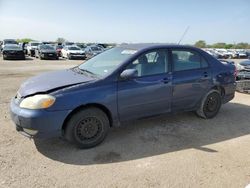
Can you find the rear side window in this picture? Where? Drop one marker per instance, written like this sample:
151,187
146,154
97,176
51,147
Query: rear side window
187,60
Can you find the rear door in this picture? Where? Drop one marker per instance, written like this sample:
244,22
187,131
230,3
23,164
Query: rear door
150,92
191,78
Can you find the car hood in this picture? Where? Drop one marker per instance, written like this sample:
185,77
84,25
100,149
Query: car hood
51,81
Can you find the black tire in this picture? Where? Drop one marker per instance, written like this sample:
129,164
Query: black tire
87,128
210,105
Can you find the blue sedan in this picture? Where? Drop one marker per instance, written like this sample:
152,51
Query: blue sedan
124,83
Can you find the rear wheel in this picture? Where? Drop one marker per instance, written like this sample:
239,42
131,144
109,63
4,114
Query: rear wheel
210,105
87,128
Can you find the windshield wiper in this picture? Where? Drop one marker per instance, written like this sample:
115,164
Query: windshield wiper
81,71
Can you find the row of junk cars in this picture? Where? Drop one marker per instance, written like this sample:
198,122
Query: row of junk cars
11,49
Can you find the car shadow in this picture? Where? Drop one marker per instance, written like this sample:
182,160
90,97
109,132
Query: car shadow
155,136
29,58
26,59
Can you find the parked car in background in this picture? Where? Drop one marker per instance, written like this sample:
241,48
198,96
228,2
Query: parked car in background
73,52
7,41
242,54
46,51
31,47
212,53
13,51
58,50
248,54
243,70
119,85
93,50
68,44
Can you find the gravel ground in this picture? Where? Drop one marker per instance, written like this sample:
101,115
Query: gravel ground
171,151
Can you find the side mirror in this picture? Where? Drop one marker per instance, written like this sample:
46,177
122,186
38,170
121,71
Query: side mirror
128,74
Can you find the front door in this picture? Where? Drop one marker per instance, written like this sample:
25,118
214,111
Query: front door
150,92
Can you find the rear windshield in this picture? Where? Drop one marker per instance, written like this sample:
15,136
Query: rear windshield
95,48
245,63
34,44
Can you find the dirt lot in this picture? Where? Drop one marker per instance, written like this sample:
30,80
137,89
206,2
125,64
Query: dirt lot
176,151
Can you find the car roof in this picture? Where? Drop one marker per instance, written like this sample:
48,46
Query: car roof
9,40
143,46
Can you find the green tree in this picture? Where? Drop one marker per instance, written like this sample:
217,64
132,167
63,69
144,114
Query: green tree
200,44
26,40
60,40
229,46
242,45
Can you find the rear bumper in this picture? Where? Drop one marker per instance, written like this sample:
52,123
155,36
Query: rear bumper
37,123
229,92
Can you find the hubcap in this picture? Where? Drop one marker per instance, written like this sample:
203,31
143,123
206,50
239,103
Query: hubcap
212,103
88,128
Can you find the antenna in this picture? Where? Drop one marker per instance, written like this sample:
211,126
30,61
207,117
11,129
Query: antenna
185,32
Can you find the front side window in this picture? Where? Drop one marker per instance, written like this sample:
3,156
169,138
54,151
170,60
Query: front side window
187,60
151,63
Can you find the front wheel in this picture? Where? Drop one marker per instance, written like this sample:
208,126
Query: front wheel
210,105
87,128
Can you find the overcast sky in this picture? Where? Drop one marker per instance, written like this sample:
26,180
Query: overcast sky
126,20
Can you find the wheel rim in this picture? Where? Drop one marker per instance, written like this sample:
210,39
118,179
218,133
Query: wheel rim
212,103
88,129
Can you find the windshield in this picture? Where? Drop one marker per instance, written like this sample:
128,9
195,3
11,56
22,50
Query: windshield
74,48
47,47
7,47
34,44
10,42
107,61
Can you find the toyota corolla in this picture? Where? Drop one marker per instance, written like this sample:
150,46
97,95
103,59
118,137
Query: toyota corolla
122,84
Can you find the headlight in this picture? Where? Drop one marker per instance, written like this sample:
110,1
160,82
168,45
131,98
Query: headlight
38,102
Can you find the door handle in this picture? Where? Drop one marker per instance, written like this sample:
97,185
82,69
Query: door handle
205,74
165,80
